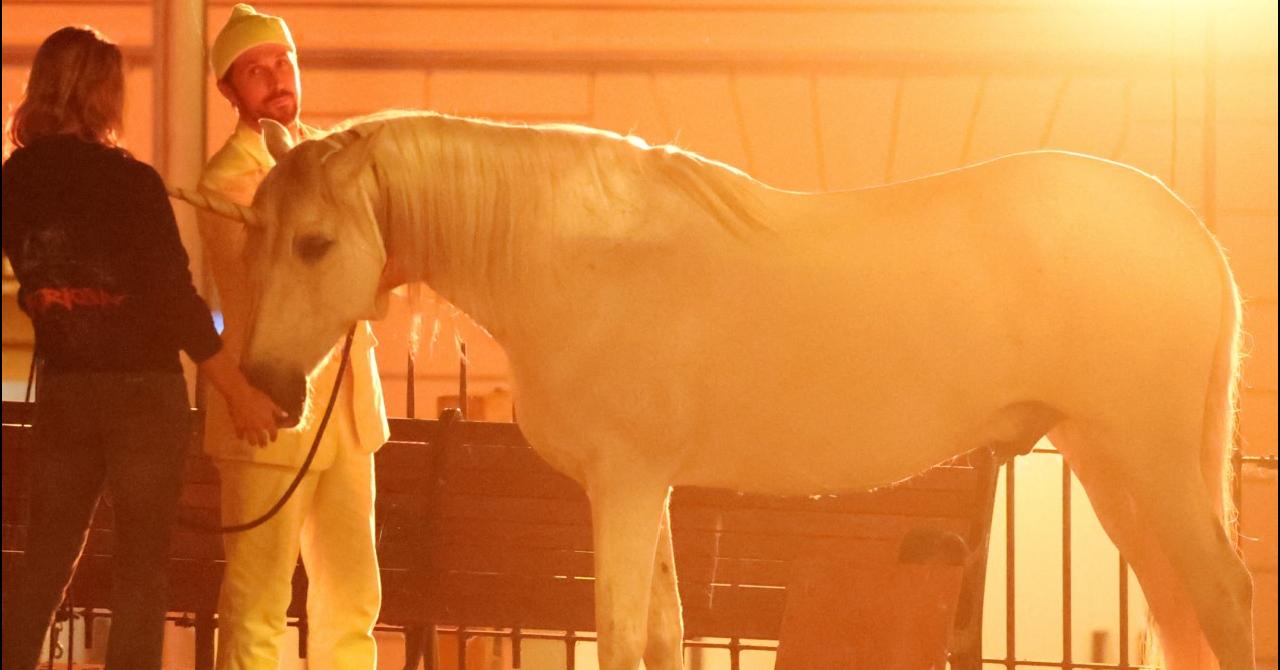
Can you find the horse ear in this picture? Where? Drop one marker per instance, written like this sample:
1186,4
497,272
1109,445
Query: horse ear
277,138
343,166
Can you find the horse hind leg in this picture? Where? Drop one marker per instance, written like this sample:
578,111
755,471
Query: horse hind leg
665,647
1175,518
1181,514
1177,628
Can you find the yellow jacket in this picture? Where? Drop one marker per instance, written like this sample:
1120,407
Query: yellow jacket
234,172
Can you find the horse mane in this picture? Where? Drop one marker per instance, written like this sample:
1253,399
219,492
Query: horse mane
723,192
488,176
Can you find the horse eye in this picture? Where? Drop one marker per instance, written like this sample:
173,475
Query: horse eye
310,248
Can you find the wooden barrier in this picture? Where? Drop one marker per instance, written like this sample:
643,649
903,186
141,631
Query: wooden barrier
475,530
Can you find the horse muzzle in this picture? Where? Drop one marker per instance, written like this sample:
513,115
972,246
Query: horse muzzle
288,390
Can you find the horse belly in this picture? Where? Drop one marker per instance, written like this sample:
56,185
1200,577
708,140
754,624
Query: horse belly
823,419
851,451
789,459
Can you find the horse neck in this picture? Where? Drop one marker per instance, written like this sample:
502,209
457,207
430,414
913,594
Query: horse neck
459,193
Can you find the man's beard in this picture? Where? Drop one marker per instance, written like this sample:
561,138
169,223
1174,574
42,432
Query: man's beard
285,114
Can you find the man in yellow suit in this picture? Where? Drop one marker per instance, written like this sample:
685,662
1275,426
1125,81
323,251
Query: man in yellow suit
329,518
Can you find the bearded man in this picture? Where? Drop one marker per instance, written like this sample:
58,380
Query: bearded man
329,518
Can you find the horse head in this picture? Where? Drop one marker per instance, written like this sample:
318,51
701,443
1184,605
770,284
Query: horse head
316,261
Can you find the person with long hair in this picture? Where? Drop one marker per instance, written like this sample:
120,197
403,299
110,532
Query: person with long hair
103,275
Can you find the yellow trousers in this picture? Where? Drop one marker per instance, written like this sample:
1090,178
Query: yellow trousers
329,520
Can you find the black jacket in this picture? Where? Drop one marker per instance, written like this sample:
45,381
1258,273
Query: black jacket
101,268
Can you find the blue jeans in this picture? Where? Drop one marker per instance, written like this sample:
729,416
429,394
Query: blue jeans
129,432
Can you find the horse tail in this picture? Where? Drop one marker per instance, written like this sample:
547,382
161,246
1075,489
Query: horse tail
1221,401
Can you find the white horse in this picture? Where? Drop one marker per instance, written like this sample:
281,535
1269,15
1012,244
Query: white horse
671,321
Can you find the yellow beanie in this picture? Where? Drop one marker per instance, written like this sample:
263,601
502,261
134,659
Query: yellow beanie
245,30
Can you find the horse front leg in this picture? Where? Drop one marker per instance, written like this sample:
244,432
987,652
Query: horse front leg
626,517
665,648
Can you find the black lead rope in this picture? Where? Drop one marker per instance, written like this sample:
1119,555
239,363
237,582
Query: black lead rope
302,471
